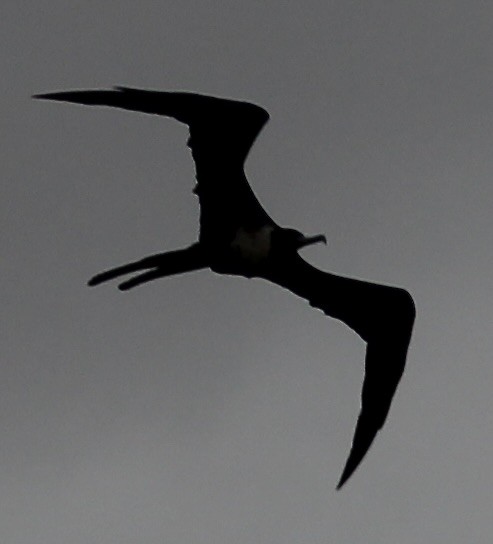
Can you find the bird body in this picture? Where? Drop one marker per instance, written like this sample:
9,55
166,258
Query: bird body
238,237
253,246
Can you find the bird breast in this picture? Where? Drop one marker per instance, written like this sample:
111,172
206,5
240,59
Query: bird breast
253,246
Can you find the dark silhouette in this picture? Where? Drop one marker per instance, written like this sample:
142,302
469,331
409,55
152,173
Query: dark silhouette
238,237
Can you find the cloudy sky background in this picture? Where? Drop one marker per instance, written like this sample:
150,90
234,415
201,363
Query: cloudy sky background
201,409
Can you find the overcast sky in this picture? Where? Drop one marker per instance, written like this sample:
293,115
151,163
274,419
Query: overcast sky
214,410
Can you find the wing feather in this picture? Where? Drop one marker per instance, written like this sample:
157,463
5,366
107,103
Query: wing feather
382,315
222,132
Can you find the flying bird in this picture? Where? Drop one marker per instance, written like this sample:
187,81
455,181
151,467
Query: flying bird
238,237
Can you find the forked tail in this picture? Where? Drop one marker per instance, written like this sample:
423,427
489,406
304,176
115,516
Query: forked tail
156,266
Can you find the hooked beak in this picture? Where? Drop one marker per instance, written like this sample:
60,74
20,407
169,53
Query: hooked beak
309,240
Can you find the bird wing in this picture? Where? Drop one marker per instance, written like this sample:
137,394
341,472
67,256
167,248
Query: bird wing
221,134
382,315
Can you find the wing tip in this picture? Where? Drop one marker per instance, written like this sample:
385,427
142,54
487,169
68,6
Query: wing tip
346,474
344,478
71,95
364,436
348,471
61,96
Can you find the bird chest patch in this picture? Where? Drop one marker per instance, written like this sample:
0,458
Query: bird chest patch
253,246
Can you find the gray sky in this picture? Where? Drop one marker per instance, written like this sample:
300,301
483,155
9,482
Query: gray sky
211,410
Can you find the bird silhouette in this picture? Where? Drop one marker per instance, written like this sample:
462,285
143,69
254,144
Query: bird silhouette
238,237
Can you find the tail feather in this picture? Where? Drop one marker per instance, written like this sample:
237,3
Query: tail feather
159,265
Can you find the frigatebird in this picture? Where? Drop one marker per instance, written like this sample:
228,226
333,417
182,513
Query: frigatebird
238,237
